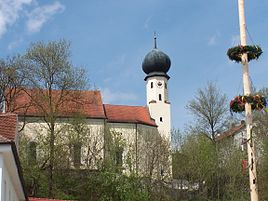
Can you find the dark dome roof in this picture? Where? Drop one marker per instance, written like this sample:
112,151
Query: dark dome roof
156,61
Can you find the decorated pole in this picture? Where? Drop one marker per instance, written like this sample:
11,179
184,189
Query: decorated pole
248,109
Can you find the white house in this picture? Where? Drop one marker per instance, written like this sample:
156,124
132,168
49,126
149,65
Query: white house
11,181
236,133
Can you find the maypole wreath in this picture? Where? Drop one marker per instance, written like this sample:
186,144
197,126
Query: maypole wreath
257,102
253,52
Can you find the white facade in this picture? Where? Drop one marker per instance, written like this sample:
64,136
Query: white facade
10,184
158,103
138,144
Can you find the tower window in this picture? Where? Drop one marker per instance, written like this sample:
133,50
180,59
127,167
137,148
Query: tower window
161,119
160,97
165,85
152,84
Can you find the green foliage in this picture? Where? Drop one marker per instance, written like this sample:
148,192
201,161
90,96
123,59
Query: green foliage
202,166
209,107
12,81
263,172
50,66
253,52
111,186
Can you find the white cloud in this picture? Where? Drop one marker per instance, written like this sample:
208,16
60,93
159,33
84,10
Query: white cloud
41,15
115,96
9,13
146,23
214,39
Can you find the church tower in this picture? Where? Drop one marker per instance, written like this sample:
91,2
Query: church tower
156,65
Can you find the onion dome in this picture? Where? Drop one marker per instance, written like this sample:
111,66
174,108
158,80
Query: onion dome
156,62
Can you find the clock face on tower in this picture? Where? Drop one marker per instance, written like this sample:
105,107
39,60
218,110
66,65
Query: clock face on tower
159,84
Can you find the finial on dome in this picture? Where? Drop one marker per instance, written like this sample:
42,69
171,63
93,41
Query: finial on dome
155,44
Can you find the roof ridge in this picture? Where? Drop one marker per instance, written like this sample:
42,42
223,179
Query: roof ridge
126,105
25,88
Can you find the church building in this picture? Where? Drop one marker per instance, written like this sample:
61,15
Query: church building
133,126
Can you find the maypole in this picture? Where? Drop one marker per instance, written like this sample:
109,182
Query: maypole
248,110
245,53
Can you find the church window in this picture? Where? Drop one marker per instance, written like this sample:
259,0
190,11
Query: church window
161,119
152,84
165,85
119,157
31,153
77,155
160,97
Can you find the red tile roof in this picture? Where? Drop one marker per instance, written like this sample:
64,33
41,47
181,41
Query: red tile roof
88,103
43,199
8,127
231,132
128,114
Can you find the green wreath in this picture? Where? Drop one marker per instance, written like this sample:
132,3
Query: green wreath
236,53
257,102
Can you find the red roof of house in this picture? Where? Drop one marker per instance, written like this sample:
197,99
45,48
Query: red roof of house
43,199
8,127
128,114
231,132
88,103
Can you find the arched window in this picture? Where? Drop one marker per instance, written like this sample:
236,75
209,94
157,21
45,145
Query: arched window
152,84
31,152
161,119
119,156
77,154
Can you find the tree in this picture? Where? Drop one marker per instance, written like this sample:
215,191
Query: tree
12,82
209,107
200,169
198,160
56,86
260,132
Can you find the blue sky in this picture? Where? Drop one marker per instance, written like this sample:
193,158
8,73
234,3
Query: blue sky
111,37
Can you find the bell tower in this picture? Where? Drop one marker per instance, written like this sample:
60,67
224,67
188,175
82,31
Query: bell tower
156,65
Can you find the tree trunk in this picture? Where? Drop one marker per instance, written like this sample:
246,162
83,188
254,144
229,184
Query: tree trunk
51,160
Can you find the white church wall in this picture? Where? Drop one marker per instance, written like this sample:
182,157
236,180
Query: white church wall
137,153
128,133
35,129
92,153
